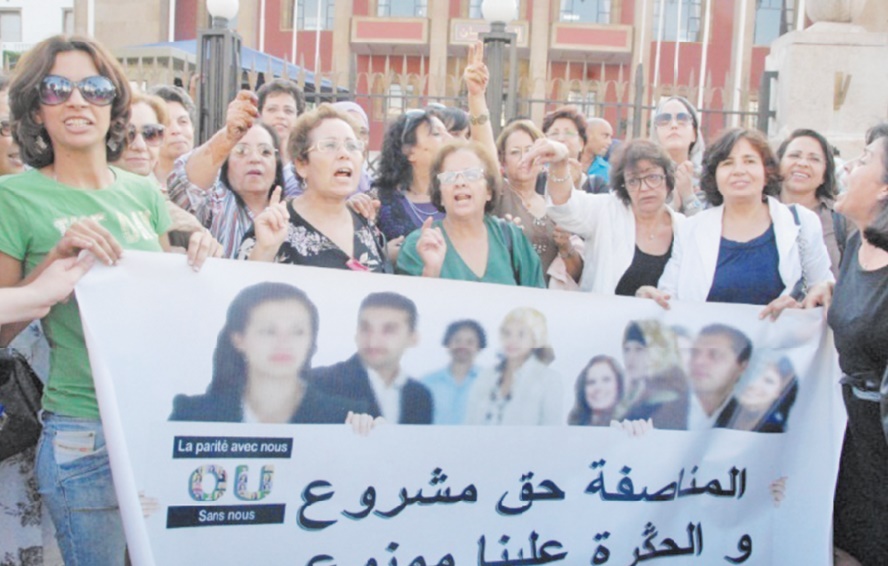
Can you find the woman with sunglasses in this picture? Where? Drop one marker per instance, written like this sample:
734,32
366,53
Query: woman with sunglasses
628,232
318,227
228,181
677,129
403,180
70,106
410,145
144,136
468,244
749,248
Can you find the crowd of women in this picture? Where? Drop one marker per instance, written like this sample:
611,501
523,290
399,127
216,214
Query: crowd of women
98,167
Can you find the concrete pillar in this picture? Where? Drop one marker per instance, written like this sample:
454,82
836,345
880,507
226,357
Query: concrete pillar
642,38
80,17
439,32
539,56
741,55
342,55
121,23
832,77
248,23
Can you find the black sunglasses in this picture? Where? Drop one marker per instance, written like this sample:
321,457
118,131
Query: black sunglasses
98,90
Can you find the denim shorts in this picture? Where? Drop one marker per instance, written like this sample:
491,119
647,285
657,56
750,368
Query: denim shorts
74,478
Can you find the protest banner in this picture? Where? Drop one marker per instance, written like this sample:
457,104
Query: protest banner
263,493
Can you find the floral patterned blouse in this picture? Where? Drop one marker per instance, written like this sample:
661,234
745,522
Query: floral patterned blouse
306,245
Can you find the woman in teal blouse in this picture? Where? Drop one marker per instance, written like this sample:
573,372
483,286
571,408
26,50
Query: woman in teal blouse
468,244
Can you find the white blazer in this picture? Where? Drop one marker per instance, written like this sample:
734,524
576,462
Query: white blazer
691,269
607,225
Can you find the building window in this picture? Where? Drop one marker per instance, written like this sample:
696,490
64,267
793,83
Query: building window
586,11
773,18
67,21
690,13
307,14
402,8
398,100
587,103
10,25
475,10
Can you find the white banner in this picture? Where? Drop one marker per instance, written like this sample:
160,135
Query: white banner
310,494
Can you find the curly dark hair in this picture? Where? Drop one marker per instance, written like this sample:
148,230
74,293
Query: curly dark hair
827,189
877,231
582,414
229,366
472,325
721,149
395,170
278,166
491,170
31,137
880,130
627,159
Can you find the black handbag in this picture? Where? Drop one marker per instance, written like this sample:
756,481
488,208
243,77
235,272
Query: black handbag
20,393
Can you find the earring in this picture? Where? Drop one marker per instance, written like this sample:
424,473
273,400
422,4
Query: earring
40,142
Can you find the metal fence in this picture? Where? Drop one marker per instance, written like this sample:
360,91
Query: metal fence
627,102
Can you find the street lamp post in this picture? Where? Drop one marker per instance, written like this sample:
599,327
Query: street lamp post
498,13
218,66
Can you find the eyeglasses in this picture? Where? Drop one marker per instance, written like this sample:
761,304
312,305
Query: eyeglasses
5,128
653,181
262,150
98,90
681,118
332,145
151,133
469,175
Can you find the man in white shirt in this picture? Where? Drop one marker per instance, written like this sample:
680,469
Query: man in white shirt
386,329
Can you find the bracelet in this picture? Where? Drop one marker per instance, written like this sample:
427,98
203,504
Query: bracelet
693,205
555,179
479,120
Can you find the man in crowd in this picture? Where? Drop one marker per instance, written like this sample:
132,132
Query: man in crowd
386,329
719,357
599,135
280,102
450,386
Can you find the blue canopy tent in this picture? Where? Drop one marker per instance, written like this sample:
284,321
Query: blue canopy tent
178,56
